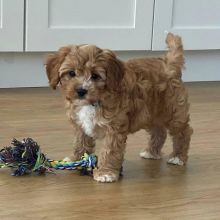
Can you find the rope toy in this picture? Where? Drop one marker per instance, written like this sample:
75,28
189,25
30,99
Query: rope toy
25,157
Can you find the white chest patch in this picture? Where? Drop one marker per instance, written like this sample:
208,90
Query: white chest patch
86,117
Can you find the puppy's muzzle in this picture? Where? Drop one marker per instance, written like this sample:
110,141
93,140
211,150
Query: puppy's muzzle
81,92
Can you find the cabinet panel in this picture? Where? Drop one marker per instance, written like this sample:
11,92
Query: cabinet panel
79,17
1,13
197,21
119,25
11,25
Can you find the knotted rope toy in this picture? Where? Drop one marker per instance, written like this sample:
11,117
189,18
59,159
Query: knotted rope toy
25,157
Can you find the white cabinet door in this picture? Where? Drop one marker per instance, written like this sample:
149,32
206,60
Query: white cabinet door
197,21
11,25
115,24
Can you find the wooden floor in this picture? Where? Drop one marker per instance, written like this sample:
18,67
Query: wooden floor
149,189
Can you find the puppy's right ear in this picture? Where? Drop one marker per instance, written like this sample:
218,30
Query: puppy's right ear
53,63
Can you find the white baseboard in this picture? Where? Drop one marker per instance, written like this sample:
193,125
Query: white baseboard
27,70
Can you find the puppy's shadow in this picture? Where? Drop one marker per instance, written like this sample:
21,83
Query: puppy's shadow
142,169
151,169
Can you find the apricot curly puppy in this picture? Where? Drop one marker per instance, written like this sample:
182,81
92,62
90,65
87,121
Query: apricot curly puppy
108,98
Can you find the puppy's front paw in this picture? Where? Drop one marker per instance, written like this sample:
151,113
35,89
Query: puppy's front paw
105,177
148,155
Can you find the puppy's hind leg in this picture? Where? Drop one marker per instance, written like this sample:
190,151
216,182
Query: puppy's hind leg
158,136
181,140
178,126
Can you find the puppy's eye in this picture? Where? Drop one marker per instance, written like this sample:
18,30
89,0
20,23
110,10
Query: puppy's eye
95,76
72,73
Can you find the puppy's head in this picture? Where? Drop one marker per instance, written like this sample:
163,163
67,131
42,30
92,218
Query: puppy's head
84,72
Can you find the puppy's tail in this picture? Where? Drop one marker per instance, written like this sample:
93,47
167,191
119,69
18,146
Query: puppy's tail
175,56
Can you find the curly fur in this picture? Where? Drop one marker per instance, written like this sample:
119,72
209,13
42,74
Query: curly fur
145,93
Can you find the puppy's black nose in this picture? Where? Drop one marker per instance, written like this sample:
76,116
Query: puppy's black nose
81,92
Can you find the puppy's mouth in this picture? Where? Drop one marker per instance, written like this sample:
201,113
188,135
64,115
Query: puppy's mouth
95,104
87,101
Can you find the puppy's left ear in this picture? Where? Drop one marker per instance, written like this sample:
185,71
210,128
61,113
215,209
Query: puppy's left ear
53,62
115,70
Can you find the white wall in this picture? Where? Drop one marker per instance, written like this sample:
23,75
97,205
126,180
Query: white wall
27,70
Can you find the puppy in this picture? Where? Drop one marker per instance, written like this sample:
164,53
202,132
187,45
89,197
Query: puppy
109,98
